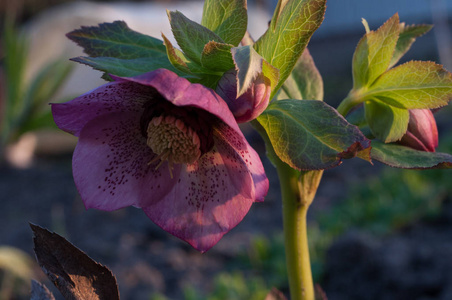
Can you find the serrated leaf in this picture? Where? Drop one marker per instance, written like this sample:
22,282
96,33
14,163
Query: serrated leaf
415,84
227,18
311,135
374,53
176,57
305,81
217,56
194,70
407,36
249,64
388,123
117,40
290,30
191,36
403,157
126,67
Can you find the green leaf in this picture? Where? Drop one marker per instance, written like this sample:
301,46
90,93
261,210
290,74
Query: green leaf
415,84
176,57
407,36
42,89
388,123
117,40
38,121
218,59
249,64
357,117
311,135
305,81
403,157
47,83
207,80
374,53
126,67
191,36
227,18
290,30
14,47
217,56
134,67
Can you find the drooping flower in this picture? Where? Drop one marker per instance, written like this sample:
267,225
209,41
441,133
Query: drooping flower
252,103
422,133
172,148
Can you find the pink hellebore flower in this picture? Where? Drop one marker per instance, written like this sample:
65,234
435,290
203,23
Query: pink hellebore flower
172,148
422,133
252,103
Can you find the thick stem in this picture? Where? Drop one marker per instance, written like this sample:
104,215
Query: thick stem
349,102
298,191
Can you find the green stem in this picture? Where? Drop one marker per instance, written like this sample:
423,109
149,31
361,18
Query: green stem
353,98
298,191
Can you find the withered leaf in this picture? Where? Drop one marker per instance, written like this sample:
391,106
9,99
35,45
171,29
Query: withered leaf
73,272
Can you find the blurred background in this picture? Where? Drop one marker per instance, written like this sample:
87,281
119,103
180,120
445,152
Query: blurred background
375,232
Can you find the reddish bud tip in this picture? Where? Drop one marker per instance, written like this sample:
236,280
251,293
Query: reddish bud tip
422,133
252,103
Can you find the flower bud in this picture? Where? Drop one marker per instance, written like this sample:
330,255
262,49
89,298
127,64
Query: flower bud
252,103
422,133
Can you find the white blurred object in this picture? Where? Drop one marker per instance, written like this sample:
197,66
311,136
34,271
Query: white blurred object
20,154
41,142
48,41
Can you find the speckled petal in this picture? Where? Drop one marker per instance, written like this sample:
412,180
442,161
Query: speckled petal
249,157
111,97
209,199
110,165
180,92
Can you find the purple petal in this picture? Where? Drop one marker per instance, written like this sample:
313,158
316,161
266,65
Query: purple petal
110,164
180,92
209,199
249,157
108,98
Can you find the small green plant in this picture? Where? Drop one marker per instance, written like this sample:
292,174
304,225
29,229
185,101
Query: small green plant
24,104
232,286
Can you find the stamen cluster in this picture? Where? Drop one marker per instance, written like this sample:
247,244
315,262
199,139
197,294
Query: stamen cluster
173,141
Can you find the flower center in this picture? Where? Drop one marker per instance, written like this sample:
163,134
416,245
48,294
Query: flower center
173,141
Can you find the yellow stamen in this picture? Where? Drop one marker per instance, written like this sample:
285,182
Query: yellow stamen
173,141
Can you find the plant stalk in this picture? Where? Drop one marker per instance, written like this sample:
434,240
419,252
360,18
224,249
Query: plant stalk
298,191
353,99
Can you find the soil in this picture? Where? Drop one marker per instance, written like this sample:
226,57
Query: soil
415,263
412,264
143,257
